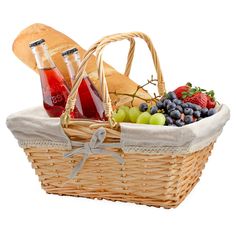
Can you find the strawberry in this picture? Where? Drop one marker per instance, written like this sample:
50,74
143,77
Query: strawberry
196,95
198,98
211,103
179,91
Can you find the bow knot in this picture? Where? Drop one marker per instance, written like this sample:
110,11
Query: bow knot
88,149
94,146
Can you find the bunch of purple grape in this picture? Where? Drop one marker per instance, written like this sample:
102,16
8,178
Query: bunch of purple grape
178,113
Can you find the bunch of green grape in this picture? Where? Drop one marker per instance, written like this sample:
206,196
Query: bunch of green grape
140,115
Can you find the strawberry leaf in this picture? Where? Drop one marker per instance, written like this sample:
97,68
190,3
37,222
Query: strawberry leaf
189,84
211,94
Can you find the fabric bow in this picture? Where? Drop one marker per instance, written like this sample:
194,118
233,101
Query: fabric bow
94,146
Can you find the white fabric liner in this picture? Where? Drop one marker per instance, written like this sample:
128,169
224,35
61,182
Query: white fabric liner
189,138
33,128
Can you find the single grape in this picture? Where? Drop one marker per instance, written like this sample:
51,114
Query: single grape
157,119
143,107
134,112
166,102
169,121
170,107
143,118
184,105
171,95
196,114
188,111
175,114
119,116
180,108
211,112
204,112
190,105
196,107
179,123
126,110
160,105
177,101
153,110
188,119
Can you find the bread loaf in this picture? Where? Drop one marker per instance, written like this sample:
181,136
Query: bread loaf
58,42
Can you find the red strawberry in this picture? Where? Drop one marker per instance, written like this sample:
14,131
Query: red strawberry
179,91
198,98
211,103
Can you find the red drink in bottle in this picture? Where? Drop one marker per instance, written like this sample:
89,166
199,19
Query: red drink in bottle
54,88
89,103
54,92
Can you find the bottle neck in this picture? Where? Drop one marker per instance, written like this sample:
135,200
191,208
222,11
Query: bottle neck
42,57
73,63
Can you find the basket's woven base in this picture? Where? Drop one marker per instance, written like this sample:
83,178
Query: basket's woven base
155,180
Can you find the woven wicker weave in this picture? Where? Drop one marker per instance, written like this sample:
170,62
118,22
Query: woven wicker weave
157,180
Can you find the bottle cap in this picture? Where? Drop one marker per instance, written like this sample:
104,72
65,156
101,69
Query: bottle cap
36,43
69,51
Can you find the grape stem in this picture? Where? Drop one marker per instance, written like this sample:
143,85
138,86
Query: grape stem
134,94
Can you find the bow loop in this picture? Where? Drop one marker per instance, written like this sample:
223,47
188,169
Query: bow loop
94,146
98,137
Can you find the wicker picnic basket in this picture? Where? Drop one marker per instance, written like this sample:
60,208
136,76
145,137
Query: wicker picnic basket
160,180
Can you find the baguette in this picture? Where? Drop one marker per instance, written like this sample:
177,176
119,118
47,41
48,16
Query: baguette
58,42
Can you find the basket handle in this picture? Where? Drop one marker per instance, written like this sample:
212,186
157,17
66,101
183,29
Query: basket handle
130,56
98,48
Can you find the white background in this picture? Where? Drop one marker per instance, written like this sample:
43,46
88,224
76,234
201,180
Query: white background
195,41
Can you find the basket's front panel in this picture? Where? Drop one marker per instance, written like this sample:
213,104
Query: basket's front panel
156,180
143,179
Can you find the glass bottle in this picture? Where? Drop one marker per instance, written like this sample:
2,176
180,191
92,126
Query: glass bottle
54,88
89,102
